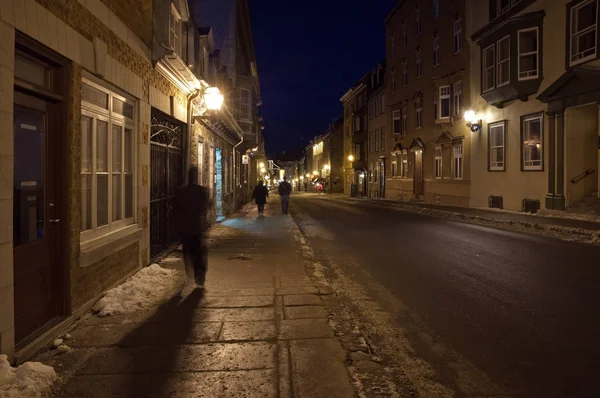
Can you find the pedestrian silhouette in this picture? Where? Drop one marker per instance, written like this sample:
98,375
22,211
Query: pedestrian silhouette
260,195
285,189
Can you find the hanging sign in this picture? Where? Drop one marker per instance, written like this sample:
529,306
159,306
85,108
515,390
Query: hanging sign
244,159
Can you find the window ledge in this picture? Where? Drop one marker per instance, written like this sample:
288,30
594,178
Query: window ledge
95,250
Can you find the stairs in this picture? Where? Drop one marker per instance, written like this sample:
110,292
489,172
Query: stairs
589,205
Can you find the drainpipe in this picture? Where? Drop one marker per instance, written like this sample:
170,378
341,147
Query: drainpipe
187,159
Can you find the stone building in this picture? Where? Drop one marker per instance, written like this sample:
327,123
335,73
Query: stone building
96,99
535,74
427,84
355,138
335,146
376,143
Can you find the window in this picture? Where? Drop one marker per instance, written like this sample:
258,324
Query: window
377,140
436,51
396,116
458,36
419,118
375,173
393,82
496,147
489,57
435,109
444,112
438,162
377,106
370,172
404,73
356,123
175,29
245,104
394,166
419,63
371,143
107,162
418,20
436,9
404,35
583,32
404,126
503,77
404,165
393,45
357,152
382,143
382,103
528,54
531,137
371,110
458,99
458,162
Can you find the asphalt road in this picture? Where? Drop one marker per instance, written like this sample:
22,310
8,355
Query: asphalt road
523,310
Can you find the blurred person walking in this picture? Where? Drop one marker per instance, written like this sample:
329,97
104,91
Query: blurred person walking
260,195
285,189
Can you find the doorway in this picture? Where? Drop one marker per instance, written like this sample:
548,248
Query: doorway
39,190
219,182
418,173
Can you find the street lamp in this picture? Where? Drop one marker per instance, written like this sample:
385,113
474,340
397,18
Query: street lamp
262,170
213,98
315,172
307,175
261,164
351,158
473,121
326,167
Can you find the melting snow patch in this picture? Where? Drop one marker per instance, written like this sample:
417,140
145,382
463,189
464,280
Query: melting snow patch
31,379
142,290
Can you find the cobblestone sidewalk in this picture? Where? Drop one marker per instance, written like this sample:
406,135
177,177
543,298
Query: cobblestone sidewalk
259,330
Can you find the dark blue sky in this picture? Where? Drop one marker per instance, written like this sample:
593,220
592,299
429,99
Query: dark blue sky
309,53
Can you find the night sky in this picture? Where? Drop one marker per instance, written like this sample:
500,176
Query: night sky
309,53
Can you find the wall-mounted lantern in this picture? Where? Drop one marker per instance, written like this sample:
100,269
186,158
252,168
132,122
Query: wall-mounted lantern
473,121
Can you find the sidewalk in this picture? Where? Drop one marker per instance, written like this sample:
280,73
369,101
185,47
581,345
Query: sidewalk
259,330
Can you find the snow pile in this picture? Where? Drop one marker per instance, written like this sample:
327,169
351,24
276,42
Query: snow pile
142,290
31,379
562,214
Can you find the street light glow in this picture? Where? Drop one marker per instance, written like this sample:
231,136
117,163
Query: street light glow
471,116
315,172
213,99
262,170
261,164
326,167
351,158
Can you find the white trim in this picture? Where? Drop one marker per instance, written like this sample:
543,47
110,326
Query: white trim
503,146
498,62
436,50
458,32
442,97
455,175
587,30
484,88
532,167
536,53
438,163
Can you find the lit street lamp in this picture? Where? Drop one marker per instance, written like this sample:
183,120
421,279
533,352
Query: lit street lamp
213,98
351,158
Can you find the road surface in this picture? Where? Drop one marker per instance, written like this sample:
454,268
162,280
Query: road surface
485,311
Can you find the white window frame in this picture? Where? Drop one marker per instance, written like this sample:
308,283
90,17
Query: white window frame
404,73
442,96
438,162
485,68
175,30
419,63
457,103
495,166
396,116
418,20
245,113
529,76
111,118
458,36
532,167
504,61
404,165
580,57
458,161
419,118
404,123
436,51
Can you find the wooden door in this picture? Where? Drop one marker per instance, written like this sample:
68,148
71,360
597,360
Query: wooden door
418,173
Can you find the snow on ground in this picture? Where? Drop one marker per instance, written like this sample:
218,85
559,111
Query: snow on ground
30,380
142,290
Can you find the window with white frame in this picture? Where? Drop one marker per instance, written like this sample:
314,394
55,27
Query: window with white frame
404,73
503,65
418,20
436,51
394,166
583,32
458,99
444,101
458,36
489,68
396,123
357,123
496,146
404,164
404,35
107,161
382,137
419,63
245,104
404,127
370,172
393,82
175,29
377,139
436,9
419,117
532,142
458,162
528,54
438,162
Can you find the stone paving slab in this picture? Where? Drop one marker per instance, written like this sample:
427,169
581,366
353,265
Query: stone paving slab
249,383
302,299
216,291
232,301
184,358
235,315
293,281
306,312
296,290
248,331
292,329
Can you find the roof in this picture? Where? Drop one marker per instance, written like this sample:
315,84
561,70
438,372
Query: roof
576,81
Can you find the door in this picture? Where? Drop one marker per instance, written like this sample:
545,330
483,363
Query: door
382,178
418,173
37,223
219,181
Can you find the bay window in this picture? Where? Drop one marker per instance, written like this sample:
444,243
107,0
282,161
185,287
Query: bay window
583,32
488,65
532,140
528,54
107,161
503,65
175,30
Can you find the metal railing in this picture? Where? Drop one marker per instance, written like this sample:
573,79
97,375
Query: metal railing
583,175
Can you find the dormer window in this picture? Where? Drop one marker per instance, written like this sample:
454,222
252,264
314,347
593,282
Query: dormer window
583,32
175,30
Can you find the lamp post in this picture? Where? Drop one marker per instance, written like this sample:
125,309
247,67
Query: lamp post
213,99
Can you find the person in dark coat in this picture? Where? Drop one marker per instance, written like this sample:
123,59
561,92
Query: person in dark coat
260,195
285,189
190,210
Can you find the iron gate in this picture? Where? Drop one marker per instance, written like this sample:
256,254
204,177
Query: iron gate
166,174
